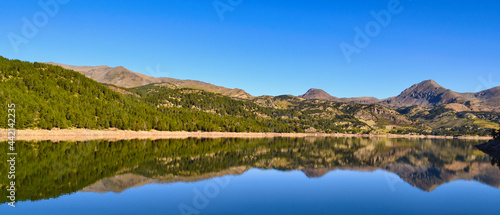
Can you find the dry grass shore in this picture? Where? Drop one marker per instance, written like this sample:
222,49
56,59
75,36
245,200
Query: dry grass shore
85,134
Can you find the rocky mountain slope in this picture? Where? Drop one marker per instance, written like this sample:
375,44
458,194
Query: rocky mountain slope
429,94
425,94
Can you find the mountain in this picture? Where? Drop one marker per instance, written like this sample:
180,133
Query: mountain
425,94
122,77
318,94
119,76
314,93
429,94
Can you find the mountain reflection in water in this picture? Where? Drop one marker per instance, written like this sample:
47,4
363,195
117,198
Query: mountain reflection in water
48,169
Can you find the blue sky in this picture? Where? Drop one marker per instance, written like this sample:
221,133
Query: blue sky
269,47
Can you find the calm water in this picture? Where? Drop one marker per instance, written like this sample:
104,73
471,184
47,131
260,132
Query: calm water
261,176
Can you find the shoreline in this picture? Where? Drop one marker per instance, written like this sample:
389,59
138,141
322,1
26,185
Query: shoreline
112,134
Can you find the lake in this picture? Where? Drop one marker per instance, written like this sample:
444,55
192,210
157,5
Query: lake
253,176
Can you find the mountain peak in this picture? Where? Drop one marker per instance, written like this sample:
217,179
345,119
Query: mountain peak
429,82
427,86
427,93
314,93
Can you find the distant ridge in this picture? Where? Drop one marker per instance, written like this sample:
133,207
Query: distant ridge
427,94
122,77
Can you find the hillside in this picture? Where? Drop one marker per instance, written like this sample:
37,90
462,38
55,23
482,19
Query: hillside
305,115
49,96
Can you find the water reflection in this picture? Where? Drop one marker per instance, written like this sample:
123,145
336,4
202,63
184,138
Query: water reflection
49,170
492,148
495,161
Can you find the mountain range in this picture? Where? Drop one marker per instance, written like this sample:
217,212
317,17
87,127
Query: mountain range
426,94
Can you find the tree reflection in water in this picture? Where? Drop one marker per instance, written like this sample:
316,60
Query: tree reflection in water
49,169
495,161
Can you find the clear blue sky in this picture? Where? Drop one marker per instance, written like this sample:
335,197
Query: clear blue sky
270,47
